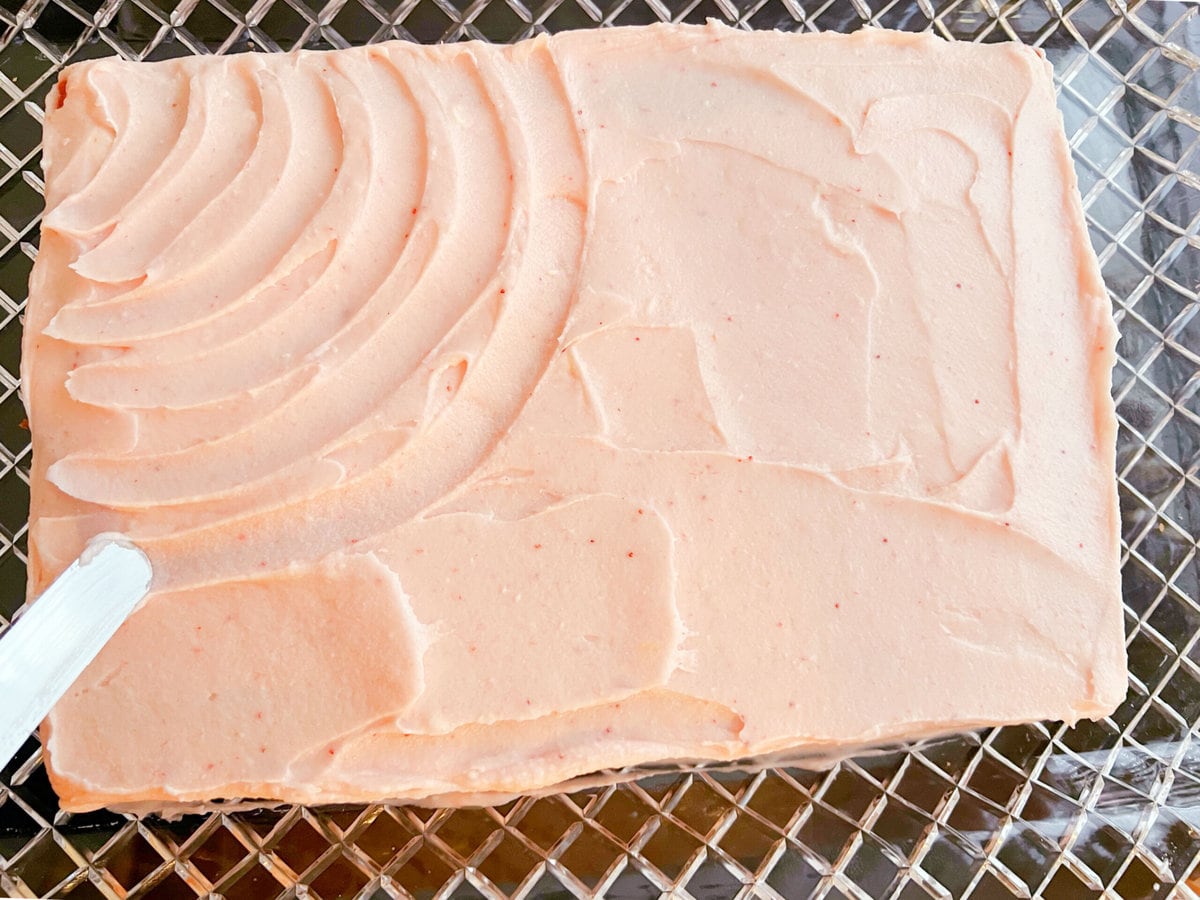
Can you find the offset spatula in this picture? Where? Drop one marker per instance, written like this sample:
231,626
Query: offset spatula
54,640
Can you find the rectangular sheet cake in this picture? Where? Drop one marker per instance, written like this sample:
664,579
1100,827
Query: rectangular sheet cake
498,415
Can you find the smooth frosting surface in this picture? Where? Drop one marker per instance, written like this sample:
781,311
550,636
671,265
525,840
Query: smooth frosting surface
497,415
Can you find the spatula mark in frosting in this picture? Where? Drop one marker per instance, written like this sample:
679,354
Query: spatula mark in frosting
224,121
364,363
493,391
142,136
191,282
374,209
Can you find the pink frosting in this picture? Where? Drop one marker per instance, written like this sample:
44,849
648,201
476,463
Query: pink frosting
496,415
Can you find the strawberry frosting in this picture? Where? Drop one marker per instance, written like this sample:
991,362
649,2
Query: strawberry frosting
498,415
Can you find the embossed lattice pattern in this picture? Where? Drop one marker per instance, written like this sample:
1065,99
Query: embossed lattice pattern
1106,809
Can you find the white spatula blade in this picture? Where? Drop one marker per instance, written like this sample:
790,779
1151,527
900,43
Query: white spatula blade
54,640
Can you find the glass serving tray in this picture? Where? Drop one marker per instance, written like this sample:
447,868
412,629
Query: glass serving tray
1107,809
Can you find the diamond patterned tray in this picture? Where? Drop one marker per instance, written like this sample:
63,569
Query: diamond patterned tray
1107,809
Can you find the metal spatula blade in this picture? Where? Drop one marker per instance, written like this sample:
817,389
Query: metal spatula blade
51,644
